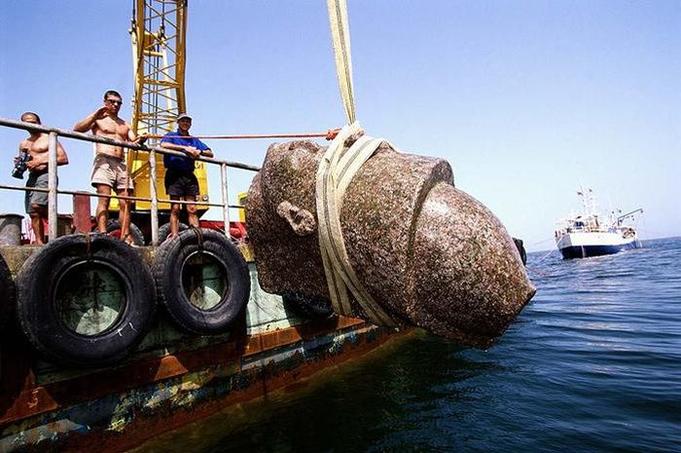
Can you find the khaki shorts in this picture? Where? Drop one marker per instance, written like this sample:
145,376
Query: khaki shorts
110,171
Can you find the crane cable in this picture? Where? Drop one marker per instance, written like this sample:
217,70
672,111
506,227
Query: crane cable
340,38
336,170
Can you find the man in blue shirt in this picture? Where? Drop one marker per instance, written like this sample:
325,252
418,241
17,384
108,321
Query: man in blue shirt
180,181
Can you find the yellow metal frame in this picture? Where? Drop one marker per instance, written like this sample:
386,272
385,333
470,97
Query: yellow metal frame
158,36
241,197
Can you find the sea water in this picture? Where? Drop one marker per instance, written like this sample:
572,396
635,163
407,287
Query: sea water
593,363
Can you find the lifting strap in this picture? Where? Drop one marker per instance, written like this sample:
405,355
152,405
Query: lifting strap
340,37
336,170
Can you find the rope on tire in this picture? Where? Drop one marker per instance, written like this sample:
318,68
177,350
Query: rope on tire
336,170
199,236
88,244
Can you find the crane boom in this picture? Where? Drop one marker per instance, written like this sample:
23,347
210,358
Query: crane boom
628,214
158,34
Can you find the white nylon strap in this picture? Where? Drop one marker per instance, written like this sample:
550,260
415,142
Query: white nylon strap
340,37
336,170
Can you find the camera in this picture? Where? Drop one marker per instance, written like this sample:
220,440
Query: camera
20,164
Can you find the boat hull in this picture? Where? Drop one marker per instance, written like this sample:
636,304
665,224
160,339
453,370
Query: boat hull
173,378
584,245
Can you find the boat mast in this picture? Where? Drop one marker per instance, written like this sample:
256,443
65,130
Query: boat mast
590,213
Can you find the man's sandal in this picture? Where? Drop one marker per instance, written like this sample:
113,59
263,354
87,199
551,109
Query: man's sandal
127,239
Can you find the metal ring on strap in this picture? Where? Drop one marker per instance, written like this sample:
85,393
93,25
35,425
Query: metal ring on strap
336,170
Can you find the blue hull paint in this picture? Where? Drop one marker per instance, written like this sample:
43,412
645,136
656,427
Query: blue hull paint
594,250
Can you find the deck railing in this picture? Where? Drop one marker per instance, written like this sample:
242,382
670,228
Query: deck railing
53,190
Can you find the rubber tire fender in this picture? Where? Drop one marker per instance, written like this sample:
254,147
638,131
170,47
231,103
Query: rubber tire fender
136,234
7,293
168,268
313,307
164,231
37,284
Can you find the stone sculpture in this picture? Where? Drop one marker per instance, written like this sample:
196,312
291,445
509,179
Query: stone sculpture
429,254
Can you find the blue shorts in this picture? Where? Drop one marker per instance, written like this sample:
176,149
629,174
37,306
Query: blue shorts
179,184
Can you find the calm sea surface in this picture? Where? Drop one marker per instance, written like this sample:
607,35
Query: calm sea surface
592,364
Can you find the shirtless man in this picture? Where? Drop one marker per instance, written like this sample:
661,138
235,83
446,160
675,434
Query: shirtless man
109,168
36,145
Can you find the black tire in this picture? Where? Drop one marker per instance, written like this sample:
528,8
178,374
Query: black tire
521,250
164,231
308,307
113,229
78,282
182,263
7,293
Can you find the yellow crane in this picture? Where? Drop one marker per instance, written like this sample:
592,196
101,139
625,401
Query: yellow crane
158,34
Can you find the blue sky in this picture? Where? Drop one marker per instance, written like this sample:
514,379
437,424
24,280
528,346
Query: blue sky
527,99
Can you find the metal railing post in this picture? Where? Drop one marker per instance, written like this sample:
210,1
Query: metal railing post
154,197
52,186
225,200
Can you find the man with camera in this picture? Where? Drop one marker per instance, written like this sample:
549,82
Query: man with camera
110,170
33,156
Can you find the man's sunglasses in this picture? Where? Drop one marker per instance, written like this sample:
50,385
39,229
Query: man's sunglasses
113,101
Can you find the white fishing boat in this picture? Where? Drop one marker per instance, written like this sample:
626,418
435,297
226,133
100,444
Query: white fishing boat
589,234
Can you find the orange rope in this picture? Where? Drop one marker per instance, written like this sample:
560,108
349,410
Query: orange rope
329,135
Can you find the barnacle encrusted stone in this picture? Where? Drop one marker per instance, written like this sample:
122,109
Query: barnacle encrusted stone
429,254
